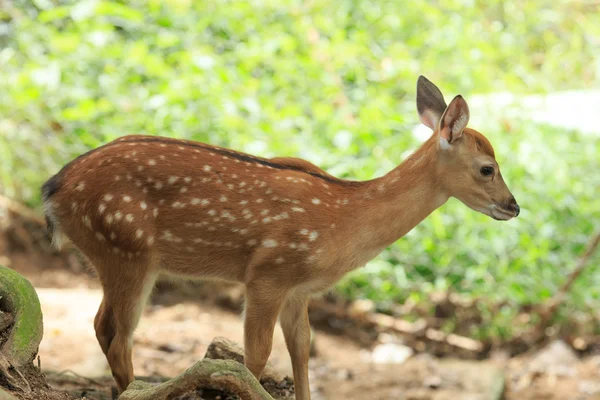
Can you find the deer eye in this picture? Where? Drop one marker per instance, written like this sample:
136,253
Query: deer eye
486,171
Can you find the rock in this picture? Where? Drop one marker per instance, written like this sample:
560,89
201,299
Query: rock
224,349
556,359
391,353
20,299
589,387
433,382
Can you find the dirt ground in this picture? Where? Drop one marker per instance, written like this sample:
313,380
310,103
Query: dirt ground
175,332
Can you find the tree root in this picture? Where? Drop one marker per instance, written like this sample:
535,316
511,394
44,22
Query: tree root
21,383
226,375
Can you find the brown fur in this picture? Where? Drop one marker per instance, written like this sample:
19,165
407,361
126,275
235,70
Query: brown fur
283,227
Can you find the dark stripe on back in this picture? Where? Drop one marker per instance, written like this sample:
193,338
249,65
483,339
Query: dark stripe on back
238,156
219,150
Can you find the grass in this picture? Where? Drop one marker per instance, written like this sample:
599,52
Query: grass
332,82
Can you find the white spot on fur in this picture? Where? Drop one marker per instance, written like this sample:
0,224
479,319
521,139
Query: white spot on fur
158,186
80,186
118,215
206,168
108,197
173,179
113,236
178,204
101,208
223,198
244,202
86,221
155,212
316,201
183,189
143,205
127,199
151,162
129,217
187,179
195,201
150,240
313,236
139,233
270,243
100,237
297,209
283,215
279,260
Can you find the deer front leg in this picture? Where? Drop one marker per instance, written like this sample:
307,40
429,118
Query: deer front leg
263,302
296,329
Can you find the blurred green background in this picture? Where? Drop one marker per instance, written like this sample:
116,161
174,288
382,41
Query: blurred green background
334,82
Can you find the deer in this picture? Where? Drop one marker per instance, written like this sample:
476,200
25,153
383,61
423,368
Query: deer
141,205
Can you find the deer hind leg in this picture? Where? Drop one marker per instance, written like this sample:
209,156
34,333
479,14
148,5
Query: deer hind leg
127,286
296,330
104,326
263,303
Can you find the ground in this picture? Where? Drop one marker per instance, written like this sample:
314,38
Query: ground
177,326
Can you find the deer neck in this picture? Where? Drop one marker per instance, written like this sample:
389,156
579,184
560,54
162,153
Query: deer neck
387,208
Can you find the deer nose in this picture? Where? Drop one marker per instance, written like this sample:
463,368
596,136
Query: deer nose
513,206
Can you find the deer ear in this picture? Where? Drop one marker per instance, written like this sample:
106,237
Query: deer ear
430,102
454,120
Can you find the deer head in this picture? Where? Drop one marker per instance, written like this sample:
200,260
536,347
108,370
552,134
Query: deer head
466,166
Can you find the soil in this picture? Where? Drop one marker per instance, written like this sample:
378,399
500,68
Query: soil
177,327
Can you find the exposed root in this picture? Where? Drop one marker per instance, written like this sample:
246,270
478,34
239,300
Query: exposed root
226,375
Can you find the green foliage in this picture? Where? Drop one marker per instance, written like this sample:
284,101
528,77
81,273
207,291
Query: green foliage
332,82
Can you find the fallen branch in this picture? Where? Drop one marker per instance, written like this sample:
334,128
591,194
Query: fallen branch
417,330
21,210
549,311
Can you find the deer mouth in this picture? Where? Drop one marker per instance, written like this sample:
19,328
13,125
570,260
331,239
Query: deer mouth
500,213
